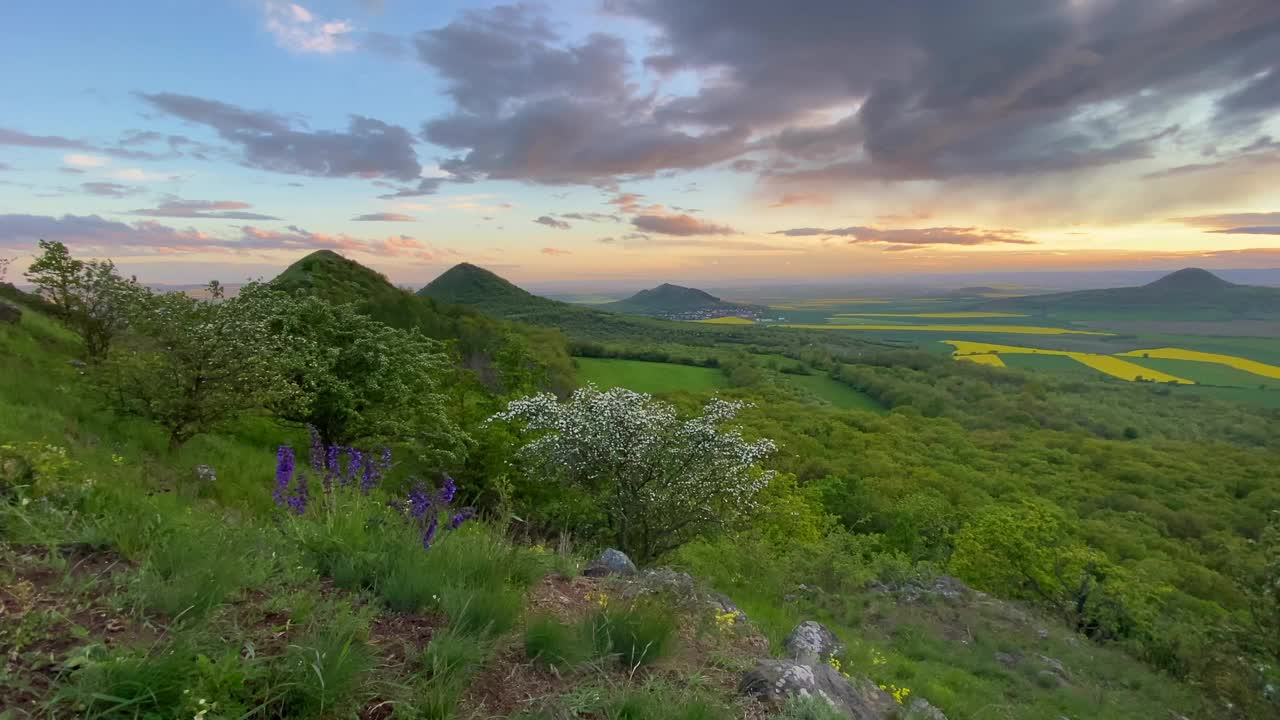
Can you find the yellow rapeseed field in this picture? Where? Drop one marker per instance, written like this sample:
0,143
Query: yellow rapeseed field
727,320
1011,329
1109,364
993,360
1239,363
934,315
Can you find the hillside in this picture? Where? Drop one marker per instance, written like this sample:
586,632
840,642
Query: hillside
480,289
675,302
1190,293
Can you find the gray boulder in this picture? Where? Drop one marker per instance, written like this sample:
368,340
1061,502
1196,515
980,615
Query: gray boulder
920,709
610,562
205,474
10,314
856,698
811,643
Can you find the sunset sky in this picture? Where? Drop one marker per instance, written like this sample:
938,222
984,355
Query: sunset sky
639,140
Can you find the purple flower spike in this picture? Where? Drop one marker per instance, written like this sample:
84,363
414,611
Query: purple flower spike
429,534
316,456
419,502
284,474
448,490
331,465
461,517
355,461
299,499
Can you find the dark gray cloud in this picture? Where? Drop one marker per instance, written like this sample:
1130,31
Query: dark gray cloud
425,186
217,209
552,222
1228,220
591,217
384,217
683,225
929,89
905,238
9,136
532,106
1251,230
110,189
269,141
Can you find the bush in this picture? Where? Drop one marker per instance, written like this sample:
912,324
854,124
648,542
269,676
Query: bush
324,671
481,612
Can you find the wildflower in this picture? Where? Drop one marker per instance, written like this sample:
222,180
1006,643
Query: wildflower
725,622
373,471
599,599
355,461
419,502
331,465
284,474
117,459
429,534
461,517
317,454
298,501
448,490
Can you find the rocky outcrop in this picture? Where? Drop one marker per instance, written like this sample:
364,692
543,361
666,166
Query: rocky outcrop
808,673
811,643
610,562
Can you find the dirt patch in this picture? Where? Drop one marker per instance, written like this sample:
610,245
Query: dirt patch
48,611
401,637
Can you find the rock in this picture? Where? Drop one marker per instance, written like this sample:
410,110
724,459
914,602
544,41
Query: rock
920,709
1056,669
811,643
610,562
9,313
723,604
856,698
205,474
942,587
1048,680
1042,634
1007,660
673,582
78,364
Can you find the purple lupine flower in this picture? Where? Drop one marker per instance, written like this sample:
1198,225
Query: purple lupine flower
461,517
316,455
373,471
429,534
284,474
331,466
355,462
448,490
419,502
298,501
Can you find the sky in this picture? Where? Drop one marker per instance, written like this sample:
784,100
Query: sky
642,140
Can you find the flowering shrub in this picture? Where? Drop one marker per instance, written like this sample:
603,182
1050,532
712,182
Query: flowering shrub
660,478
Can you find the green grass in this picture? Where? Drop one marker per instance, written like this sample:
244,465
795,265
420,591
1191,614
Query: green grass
835,392
648,377
1058,364
1207,373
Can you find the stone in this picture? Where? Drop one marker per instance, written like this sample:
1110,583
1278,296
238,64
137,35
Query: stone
856,698
1007,660
610,562
811,643
1054,668
205,474
920,709
10,314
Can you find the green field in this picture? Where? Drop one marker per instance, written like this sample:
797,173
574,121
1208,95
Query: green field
1058,364
648,377
835,392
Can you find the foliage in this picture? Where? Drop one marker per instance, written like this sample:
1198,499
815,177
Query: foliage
636,633
88,295
661,479
552,644
357,380
190,365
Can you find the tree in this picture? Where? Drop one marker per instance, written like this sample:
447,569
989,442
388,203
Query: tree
88,295
661,479
56,274
4,267
357,380
190,365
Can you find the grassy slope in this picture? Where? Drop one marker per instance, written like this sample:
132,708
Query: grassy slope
649,377
413,661
837,393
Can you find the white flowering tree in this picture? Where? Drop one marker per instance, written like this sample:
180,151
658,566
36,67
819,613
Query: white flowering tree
662,479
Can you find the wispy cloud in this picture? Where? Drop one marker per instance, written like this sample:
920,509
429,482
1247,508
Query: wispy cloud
906,238
384,217
552,222
82,160
217,209
679,225
298,29
554,251
110,189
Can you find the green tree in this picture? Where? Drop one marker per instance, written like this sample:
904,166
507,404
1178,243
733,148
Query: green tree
661,479
357,380
190,365
88,295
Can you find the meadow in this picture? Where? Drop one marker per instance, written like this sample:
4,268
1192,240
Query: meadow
650,377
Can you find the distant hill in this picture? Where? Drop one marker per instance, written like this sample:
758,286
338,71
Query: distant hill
340,280
1190,293
677,302
483,290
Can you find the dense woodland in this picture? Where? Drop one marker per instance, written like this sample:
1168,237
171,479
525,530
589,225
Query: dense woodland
1145,525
